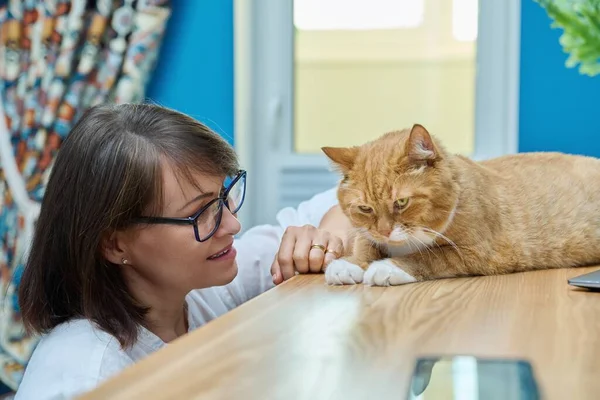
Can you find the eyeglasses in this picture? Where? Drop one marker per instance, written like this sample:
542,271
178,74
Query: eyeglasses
206,220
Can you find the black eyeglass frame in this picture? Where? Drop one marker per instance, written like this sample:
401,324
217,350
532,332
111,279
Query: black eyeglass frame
192,220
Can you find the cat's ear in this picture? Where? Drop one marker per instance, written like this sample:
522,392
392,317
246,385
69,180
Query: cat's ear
419,146
343,157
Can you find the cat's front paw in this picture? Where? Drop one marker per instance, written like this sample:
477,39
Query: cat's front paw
342,272
386,273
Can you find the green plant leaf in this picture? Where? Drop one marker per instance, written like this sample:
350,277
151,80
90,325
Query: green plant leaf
580,22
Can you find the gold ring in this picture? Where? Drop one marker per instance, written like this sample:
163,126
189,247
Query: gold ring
318,246
332,252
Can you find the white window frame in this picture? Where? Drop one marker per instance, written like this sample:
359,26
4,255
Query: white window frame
264,93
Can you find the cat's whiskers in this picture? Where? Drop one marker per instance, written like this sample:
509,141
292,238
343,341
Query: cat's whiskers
425,246
444,237
409,243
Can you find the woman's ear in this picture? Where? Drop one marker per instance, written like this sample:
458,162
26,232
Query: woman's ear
112,248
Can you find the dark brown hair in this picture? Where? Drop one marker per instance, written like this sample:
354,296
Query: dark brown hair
107,172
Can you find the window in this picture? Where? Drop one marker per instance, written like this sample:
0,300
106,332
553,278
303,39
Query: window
358,72
464,20
357,14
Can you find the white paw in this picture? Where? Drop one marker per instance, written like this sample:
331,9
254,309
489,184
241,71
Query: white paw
386,273
342,272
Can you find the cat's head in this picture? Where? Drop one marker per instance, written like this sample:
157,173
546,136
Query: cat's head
398,189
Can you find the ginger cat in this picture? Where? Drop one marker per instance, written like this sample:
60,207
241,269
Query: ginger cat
421,213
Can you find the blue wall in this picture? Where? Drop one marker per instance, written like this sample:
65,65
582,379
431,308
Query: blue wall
559,108
194,73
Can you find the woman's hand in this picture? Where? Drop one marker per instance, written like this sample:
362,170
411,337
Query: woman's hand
300,251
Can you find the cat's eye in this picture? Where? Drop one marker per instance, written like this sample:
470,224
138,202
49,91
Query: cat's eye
365,209
401,203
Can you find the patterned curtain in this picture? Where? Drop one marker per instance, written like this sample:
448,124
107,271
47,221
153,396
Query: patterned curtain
57,58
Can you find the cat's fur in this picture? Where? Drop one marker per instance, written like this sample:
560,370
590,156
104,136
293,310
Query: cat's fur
463,218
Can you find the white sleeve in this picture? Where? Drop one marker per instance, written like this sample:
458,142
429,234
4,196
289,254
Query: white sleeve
256,249
309,212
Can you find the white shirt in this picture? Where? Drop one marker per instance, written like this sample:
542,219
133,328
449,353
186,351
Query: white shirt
76,356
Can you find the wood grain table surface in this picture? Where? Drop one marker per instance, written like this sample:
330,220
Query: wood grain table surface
307,340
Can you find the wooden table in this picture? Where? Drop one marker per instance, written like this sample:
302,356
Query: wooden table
307,340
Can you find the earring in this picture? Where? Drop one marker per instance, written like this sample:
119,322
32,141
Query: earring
124,261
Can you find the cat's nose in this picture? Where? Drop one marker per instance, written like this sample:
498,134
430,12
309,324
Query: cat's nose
385,232
384,228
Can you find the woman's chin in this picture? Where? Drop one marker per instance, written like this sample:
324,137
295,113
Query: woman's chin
227,274
221,276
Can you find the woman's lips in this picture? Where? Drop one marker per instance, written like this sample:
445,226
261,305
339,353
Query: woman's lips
227,253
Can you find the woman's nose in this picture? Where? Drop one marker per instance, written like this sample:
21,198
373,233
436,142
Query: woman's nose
230,225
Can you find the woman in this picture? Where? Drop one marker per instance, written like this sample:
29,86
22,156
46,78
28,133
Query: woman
134,245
